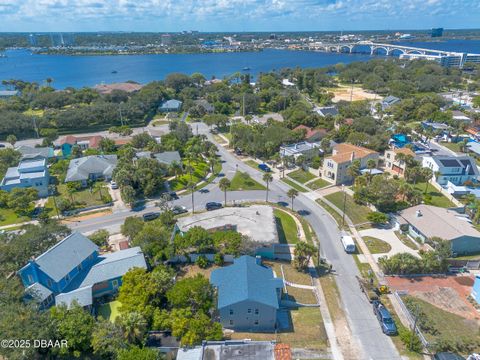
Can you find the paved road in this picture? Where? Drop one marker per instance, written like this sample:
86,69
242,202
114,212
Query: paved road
365,328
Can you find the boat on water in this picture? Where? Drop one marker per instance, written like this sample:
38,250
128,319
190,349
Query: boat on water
246,68
114,71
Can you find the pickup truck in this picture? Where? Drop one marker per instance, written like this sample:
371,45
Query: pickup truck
384,318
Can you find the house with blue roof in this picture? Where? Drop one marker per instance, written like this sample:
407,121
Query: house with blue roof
28,174
248,295
74,270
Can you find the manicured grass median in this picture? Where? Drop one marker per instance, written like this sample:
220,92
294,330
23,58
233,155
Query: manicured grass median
356,213
286,227
301,176
318,184
376,246
243,181
294,185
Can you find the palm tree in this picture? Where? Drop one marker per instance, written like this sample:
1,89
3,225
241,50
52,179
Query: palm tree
371,164
224,185
175,168
292,194
353,169
212,160
427,174
134,326
267,177
191,186
405,190
98,187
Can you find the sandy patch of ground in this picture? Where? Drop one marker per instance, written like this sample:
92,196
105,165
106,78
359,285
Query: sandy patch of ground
448,293
346,93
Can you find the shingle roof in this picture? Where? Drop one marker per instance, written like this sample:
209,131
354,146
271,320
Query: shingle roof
435,221
390,100
171,104
60,259
31,152
168,157
38,292
79,169
327,110
246,280
83,296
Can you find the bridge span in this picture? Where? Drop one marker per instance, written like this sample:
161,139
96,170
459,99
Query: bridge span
445,58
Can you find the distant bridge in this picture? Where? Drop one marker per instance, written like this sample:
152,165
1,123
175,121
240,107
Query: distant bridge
389,49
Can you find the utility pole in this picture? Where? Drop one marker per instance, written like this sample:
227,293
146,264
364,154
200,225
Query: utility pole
344,203
35,126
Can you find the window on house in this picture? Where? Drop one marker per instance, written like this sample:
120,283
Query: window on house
30,279
67,277
256,322
231,312
115,283
49,283
90,257
79,267
231,322
256,311
249,311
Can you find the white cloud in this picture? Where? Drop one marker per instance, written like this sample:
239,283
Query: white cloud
237,11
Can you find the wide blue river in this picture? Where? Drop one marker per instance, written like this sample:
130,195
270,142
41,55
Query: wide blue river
79,71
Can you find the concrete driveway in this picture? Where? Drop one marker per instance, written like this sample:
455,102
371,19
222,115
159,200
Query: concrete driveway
389,236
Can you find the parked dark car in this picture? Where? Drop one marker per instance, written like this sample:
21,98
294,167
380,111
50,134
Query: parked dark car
150,216
2,145
177,210
203,191
264,167
173,195
384,318
447,356
213,206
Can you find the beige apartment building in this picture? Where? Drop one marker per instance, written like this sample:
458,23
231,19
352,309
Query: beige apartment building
335,166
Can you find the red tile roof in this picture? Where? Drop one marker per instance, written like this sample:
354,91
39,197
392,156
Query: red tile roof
309,132
283,352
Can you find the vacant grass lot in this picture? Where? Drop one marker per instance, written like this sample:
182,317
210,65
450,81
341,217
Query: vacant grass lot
318,184
356,213
83,198
453,146
286,227
294,185
243,181
438,199
440,326
8,217
376,246
301,176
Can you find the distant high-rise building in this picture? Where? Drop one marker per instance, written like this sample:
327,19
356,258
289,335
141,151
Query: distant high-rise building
61,39
437,32
32,40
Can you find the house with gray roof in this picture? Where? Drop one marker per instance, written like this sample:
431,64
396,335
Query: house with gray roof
170,105
28,174
454,169
248,295
93,167
389,101
74,270
207,107
35,153
424,222
327,111
304,148
168,157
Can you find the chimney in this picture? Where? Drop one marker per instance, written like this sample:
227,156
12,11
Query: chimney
418,213
258,260
467,169
353,156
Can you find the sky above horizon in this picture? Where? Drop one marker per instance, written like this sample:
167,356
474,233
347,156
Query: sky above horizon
235,15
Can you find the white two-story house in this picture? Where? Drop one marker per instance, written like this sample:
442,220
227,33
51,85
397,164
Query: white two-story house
454,169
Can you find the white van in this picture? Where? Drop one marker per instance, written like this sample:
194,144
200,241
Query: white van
348,244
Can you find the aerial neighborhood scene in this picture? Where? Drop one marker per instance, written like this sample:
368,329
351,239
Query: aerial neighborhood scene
290,180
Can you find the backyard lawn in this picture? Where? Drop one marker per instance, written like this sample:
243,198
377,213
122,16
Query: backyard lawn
453,146
437,198
243,181
376,246
356,213
109,311
294,185
301,176
286,227
318,184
